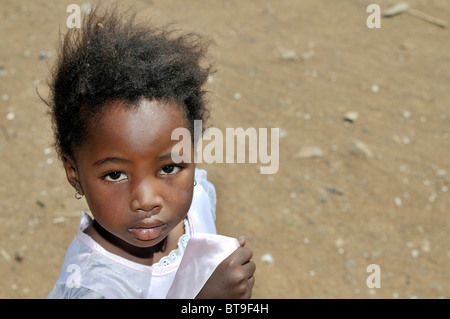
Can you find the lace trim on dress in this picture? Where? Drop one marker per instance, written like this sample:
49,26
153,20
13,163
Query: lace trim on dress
177,253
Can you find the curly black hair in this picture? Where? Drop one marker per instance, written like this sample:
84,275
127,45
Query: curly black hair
110,58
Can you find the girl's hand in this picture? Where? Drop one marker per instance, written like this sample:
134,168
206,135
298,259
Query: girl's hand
233,278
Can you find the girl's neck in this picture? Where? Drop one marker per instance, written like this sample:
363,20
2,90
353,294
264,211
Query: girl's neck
146,256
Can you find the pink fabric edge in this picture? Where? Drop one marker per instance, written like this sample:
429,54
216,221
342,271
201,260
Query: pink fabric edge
196,268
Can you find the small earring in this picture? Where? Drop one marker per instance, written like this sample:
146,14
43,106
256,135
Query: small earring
195,183
78,195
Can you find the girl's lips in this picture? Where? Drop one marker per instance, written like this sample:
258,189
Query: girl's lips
148,233
148,229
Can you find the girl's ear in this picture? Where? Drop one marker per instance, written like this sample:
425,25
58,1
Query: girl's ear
72,173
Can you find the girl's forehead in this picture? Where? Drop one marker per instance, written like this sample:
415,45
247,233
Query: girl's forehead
149,114
134,128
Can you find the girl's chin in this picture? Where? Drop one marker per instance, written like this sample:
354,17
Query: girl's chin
140,243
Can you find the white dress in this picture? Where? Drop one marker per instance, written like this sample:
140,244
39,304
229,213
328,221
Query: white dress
90,271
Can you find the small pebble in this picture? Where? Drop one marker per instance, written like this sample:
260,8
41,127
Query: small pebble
398,8
375,88
397,139
406,114
339,242
359,146
333,190
432,197
86,7
44,54
442,173
307,55
414,253
398,201
10,116
40,203
5,254
426,246
267,258
58,220
309,152
351,116
18,256
406,140
283,133
289,55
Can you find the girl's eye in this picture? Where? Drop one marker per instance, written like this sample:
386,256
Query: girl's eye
115,177
170,169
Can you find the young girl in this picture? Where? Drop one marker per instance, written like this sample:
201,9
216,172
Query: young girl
119,89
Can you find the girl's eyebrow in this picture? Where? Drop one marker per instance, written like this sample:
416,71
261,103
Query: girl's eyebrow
167,155
123,160
111,160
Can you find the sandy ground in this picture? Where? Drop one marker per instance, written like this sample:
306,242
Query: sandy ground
374,190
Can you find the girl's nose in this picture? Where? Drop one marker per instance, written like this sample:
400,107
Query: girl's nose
145,196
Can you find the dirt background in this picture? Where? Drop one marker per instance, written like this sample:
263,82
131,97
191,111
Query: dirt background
375,191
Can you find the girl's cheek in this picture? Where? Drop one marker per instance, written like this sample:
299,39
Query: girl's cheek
106,200
183,197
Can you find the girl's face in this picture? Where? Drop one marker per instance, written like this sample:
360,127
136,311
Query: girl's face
133,188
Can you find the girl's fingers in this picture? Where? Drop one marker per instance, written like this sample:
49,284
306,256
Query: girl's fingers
249,269
241,255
